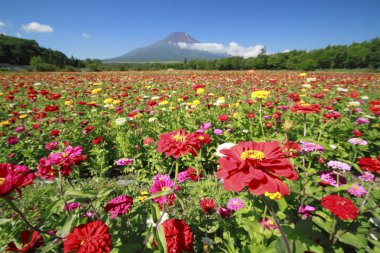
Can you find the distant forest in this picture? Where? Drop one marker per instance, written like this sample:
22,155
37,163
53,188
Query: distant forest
18,51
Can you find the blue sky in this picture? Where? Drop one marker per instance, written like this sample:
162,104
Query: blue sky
106,29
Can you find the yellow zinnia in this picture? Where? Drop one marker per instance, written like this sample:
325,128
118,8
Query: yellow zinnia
260,94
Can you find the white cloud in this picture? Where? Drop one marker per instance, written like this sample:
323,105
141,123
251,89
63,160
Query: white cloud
18,35
85,35
286,51
37,27
232,48
2,24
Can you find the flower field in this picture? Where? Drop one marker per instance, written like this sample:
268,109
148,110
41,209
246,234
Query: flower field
257,161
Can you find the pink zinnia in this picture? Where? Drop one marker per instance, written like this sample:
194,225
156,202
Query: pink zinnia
268,224
235,204
72,206
119,205
357,191
161,183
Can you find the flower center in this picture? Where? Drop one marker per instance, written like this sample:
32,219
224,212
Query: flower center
165,188
270,223
253,154
82,242
201,138
2,181
179,137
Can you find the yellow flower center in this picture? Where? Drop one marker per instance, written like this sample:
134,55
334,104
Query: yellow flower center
253,154
201,138
271,223
179,137
2,181
274,196
165,188
82,242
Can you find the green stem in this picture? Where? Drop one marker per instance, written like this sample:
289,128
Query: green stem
366,197
332,235
22,216
355,154
176,172
261,121
304,125
274,216
61,193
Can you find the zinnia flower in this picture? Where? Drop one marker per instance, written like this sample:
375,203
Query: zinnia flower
367,177
207,204
256,165
339,165
224,212
370,164
92,237
30,242
178,235
306,210
14,177
306,108
235,204
161,183
341,207
260,94
268,224
357,191
178,143
119,205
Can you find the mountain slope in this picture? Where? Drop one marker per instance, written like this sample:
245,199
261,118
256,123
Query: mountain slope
166,50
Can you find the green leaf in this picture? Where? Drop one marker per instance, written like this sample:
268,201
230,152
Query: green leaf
160,239
78,193
53,207
155,212
282,204
160,194
66,228
357,241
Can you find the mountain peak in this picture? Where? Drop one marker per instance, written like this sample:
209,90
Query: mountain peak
178,37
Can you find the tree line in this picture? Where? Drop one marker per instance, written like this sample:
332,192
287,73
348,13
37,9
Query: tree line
17,51
357,55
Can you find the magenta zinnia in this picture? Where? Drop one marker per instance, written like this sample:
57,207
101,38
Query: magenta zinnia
119,205
14,177
256,165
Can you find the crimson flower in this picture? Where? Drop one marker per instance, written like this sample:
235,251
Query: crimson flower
97,140
223,118
306,108
92,237
370,164
30,243
14,177
256,165
341,207
179,236
178,143
207,204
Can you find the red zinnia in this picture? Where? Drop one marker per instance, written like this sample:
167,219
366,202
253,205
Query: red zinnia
14,177
256,165
370,164
341,207
97,140
30,243
92,237
306,108
223,118
178,143
179,236
207,205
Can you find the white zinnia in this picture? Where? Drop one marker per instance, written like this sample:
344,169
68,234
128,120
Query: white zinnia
120,121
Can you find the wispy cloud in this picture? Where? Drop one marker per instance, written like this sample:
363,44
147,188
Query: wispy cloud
2,24
18,35
232,48
286,51
85,35
37,28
